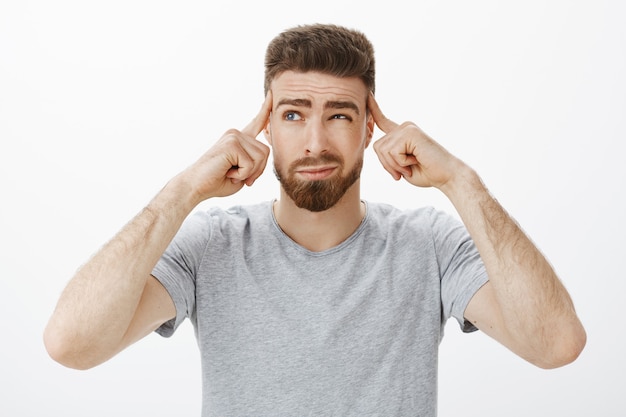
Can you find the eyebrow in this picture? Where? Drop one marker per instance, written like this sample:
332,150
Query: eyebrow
303,102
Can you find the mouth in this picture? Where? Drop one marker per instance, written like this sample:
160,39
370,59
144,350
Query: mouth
316,173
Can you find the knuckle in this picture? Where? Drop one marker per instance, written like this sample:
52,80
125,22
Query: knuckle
230,136
232,132
411,127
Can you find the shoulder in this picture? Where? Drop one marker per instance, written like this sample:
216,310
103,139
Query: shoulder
423,222
388,215
230,220
233,214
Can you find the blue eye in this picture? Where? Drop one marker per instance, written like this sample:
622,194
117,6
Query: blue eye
292,116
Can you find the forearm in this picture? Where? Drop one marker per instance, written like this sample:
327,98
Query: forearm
98,304
524,305
536,312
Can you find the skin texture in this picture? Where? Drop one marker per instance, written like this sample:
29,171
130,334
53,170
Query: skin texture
318,127
113,301
524,305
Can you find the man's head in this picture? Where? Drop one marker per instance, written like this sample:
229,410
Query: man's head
329,49
320,77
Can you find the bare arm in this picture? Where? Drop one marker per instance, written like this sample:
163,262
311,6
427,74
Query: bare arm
524,305
113,301
92,320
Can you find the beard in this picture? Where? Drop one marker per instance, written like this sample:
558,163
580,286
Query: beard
317,195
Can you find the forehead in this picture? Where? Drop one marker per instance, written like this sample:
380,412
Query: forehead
318,87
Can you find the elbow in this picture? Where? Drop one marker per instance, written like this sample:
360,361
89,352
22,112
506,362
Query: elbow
63,351
565,348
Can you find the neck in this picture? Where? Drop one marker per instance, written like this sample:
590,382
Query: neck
318,231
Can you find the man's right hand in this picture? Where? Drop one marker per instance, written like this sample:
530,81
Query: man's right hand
113,301
237,158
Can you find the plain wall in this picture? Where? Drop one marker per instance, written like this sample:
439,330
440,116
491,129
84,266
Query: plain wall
102,102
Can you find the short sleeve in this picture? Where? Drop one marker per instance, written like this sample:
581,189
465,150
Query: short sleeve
461,268
177,268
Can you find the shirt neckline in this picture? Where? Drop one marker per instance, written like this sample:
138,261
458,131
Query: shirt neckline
293,244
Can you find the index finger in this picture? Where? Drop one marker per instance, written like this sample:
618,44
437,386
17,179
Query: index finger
260,120
385,124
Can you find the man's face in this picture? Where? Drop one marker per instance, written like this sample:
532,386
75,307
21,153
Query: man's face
319,129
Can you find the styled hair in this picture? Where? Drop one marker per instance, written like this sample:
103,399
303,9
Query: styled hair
325,48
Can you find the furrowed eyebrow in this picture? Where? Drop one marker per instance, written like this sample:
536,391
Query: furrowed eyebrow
341,105
303,102
298,102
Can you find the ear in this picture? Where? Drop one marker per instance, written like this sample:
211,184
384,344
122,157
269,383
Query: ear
369,125
267,130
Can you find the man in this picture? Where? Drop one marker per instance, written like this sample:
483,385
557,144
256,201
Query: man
318,303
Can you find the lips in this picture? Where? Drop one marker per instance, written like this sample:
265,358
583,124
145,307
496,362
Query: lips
316,168
316,173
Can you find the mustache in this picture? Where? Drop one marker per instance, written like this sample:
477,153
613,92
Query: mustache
313,161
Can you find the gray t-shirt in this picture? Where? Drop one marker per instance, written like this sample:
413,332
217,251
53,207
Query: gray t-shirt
350,331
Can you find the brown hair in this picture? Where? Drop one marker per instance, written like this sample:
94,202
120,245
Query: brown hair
326,48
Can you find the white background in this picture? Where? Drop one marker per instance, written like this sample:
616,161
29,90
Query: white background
102,102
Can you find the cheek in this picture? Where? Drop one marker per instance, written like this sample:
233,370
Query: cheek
356,140
280,148
279,155
286,143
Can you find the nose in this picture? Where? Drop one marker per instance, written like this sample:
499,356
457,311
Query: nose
316,138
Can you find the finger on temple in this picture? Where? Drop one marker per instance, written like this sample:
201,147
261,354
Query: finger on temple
382,122
260,120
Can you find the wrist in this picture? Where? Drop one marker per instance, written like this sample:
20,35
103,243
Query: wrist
177,195
465,184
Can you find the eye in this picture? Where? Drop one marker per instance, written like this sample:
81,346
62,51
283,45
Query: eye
292,116
341,117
